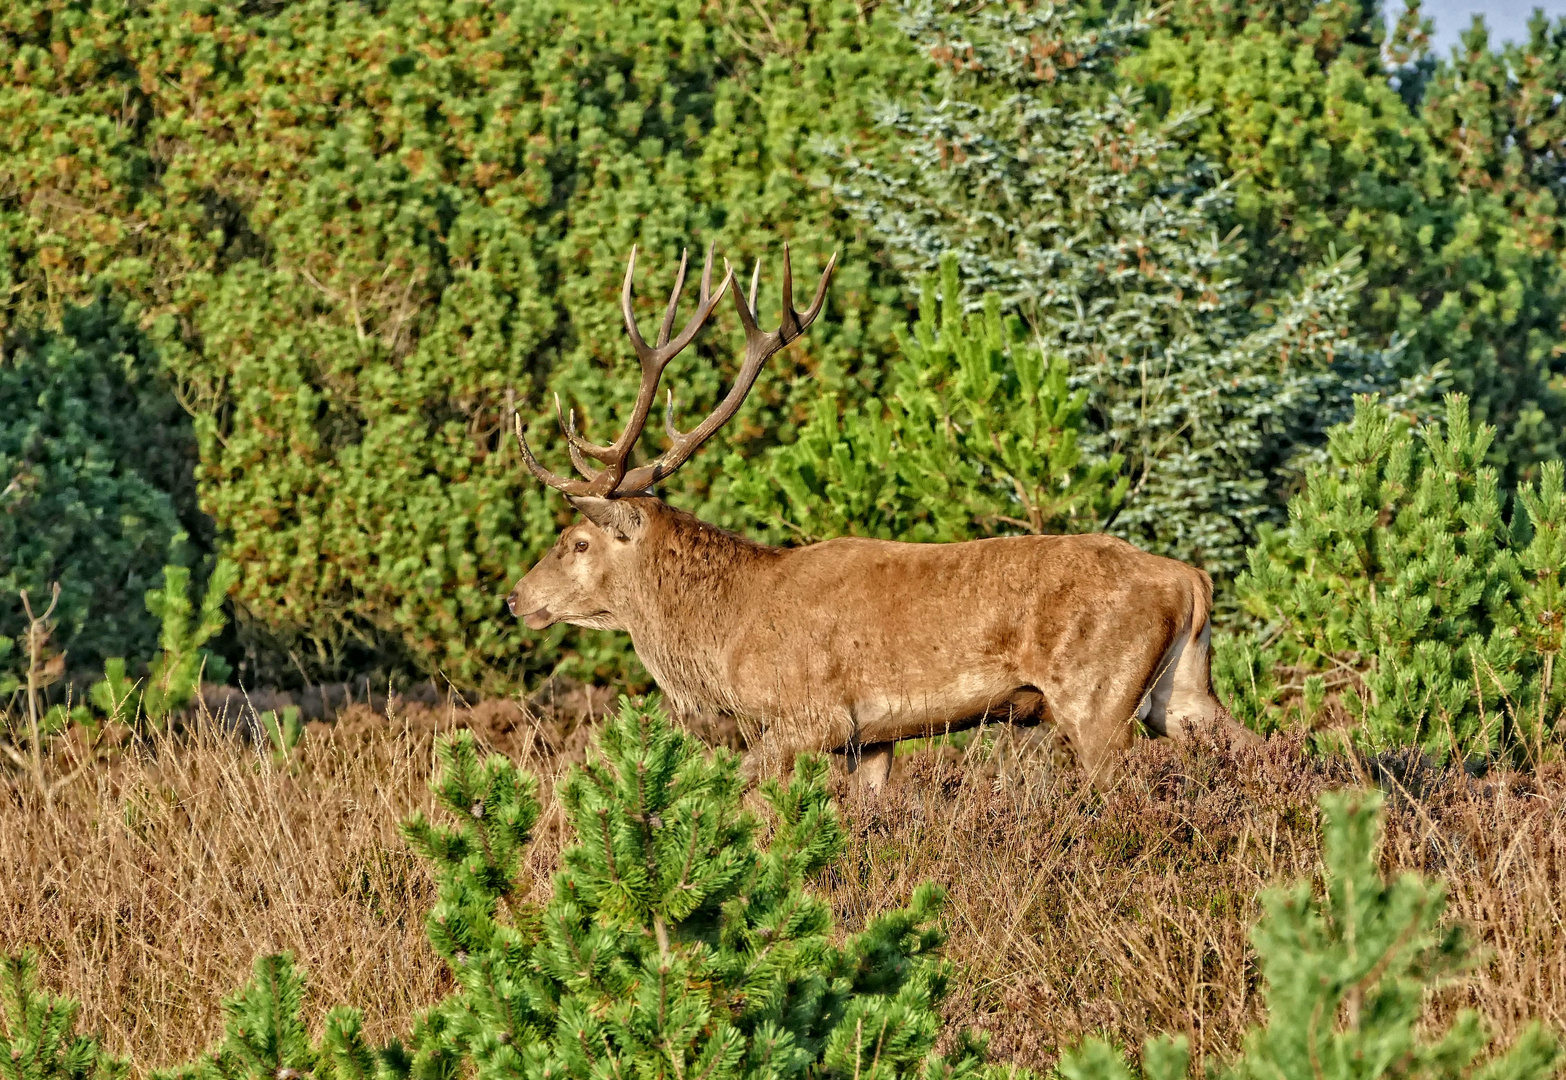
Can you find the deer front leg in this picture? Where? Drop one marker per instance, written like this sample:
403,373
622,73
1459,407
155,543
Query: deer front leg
870,764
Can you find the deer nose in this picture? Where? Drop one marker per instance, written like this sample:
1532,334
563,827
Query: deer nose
511,602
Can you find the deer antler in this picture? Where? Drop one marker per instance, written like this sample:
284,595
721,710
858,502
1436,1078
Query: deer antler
616,456
614,478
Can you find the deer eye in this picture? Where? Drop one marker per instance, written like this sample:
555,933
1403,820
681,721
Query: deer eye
581,545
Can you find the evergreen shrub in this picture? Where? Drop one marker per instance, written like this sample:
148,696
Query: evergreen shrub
96,485
1406,594
1028,160
38,1039
265,1037
978,432
180,665
674,944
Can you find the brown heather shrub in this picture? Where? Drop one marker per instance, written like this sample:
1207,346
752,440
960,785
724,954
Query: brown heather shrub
156,882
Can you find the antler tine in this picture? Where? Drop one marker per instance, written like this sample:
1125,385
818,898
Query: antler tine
747,312
577,445
755,280
559,483
818,301
674,298
759,347
705,304
629,311
788,321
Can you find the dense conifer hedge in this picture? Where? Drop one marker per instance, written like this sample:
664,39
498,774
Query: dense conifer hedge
345,240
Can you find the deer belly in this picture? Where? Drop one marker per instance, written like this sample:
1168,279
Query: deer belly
913,710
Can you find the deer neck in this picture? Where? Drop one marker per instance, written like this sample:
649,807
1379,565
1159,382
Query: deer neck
688,606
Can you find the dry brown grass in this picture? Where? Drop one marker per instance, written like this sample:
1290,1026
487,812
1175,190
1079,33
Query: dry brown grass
153,886
1129,915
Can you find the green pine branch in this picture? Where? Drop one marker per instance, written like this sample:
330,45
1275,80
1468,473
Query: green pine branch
38,1039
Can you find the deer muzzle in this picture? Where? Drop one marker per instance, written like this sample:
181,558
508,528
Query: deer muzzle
536,618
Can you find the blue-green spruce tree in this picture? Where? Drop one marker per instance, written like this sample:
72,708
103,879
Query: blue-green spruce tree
1061,199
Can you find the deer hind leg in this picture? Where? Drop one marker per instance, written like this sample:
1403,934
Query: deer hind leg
1098,693
1095,721
771,752
1181,703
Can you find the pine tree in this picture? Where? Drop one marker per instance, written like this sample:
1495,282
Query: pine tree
264,1035
1401,590
38,1039
176,672
1346,975
1537,612
674,944
978,433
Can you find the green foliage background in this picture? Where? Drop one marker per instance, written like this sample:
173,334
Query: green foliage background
1443,171
303,259
1029,162
358,235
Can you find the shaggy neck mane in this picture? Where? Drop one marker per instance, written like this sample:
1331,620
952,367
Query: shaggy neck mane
696,576
695,568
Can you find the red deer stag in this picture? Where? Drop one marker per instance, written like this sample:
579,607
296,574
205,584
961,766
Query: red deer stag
852,644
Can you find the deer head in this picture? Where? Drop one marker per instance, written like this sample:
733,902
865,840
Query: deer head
584,578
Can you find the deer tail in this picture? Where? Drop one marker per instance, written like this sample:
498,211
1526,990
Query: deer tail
1201,604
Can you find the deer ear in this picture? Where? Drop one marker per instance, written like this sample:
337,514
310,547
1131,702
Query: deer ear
619,519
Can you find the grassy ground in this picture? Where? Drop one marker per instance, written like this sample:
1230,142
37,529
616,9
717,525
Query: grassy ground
152,885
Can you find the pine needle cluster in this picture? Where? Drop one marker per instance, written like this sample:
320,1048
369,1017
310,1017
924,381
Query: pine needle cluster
38,1039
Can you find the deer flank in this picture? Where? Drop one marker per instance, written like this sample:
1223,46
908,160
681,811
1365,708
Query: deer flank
853,644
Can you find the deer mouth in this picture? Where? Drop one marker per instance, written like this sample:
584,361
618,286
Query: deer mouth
538,620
